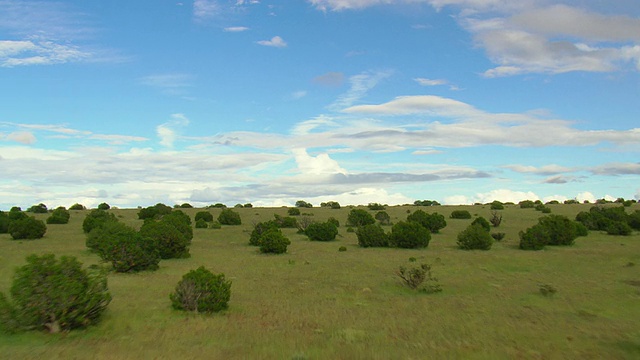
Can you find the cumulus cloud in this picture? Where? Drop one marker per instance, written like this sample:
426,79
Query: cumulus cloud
275,41
581,197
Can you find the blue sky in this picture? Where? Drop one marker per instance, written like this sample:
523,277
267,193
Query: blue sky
356,101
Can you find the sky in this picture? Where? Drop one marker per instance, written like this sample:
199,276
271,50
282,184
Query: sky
269,102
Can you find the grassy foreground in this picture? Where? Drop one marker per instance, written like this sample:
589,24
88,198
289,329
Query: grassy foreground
318,303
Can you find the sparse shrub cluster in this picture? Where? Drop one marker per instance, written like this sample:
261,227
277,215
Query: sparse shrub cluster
426,203
527,204
303,204
376,206
550,230
613,220
153,212
53,295
497,205
293,211
383,218
433,222
419,278
38,209
331,204
543,209
285,221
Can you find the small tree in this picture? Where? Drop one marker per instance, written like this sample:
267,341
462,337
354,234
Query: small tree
460,214
562,231
475,237
273,241
77,206
229,217
325,231
201,291
303,204
204,215
372,235
409,235
497,205
293,211
38,209
359,217
27,228
496,218
59,216
54,294
433,222
259,229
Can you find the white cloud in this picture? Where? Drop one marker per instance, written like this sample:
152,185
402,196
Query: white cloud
581,197
316,166
330,79
275,41
551,169
42,52
298,94
23,137
617,169
360,85
430,82
504,195
204,9
168,132
236,29
171,82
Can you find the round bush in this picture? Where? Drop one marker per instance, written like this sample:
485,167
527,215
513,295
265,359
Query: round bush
534,238
475,237
104,206
334,221
325,231
27,228
54,294
372,235
360,217
59,216
619,228
99,237
96,218
201,291
293,211
409,235
460,214
259,229
130,252
561,230
204,215
229,217
482,222
274,242
497,205
432,222
383,217
4,222
77,206
169,240
201,224
38,209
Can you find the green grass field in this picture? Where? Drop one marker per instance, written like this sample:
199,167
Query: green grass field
318,303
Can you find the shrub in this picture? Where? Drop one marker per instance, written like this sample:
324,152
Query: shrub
527,204
204,215
77,206
215,225
153,212
201,291
229,217
325,231
331,204
303,204
54,294
419,278
334,221
99,237
581,230
304,222
104,206
273,241
286,221
27,228
497,205
496,219
96,218
186,206
38,209
293,211
375,206
169,240
475,237
460,214
342,249
130,252
426,203
372,235
619,228
259,229
59,216
534,238
16,214
482,222
359,217
409,235
498,236
201,224
561,230
383,218
634,220
432,222
4,222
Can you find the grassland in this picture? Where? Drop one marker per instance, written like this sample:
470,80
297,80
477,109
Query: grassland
318,303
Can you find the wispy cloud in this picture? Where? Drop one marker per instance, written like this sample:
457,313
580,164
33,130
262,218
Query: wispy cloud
275,41
205,9
435,82
236,29
168,132
332,78
170,83
360,85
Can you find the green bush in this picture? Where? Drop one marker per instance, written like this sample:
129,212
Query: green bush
201,224
433,222
27,228
460,214
153,212
334,221
201,291
475,237
204,215
619,228
259,229
293,211
229,217
419,278
581,230
331,204
482,222
4,222
409,235
372,235
634,220
38,209
96,218
104,206
303,204
54,294
375,206
77,206
16,214
216,225
169,240
286,221
359,217
99,237
534,238
561,230
128,251
273,241
325,231
342,249
527,204
383,218
59,216
498,236
497,205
